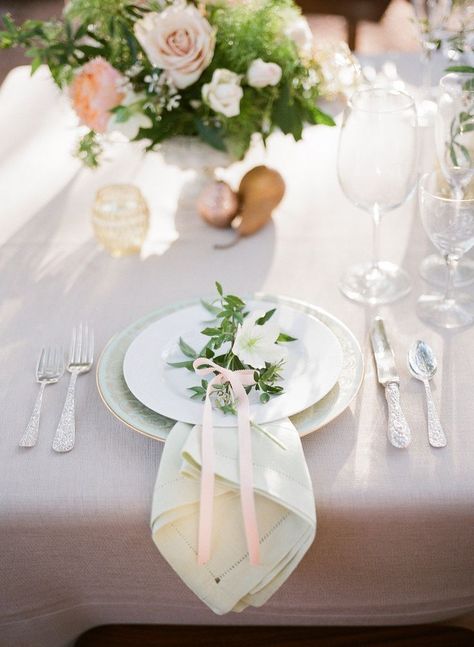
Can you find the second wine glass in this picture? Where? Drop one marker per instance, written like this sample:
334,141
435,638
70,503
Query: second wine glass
377,171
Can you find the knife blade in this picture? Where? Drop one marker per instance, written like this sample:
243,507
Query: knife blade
398,431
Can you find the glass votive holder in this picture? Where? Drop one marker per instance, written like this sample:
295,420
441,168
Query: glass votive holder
120,219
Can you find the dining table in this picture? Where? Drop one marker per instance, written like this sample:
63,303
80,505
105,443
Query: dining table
395,527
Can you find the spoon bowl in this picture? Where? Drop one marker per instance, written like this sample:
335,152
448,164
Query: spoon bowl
422,361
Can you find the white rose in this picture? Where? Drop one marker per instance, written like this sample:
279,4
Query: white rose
300,33
260,74
223,93
179,40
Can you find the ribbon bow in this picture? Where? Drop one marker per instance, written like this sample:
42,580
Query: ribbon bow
238,381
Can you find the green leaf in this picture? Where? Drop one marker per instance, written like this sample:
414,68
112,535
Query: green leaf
35,63
467,128
210,135
211,332
286,115
268,315
282,337
219,288
264,398
211,308
468,69
188,365
186,349
234,301
317,116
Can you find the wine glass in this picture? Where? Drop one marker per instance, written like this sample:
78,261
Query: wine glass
454,132
431,19
377,172
449,223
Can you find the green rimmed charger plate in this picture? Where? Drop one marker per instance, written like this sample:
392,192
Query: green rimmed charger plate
124,406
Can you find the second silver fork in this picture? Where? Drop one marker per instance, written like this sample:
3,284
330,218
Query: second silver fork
81,356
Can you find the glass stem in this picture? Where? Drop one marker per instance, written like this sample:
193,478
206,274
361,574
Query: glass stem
452,263
376,238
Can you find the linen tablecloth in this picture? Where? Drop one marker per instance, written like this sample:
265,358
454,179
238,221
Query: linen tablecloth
395,528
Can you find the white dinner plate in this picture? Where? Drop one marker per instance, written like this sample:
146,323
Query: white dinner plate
125,407
313,365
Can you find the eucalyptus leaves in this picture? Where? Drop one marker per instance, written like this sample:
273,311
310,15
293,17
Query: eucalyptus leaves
239,340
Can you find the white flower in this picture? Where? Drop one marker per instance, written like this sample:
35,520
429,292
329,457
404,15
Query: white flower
135,121
223,93
300,33
260,73
254,345
179,40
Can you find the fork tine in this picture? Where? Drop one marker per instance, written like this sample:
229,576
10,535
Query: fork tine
47,359
40,365
85,343
55,360
90,350
73,344
78,349
60,359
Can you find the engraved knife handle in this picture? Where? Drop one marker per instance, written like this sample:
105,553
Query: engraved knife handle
436,435
66,432
30,436
399,433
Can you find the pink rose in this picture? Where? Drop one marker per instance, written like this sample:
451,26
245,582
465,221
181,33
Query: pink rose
179,40
95,91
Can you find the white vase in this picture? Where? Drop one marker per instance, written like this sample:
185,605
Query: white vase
201,162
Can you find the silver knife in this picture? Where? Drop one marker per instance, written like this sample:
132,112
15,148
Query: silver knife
398,432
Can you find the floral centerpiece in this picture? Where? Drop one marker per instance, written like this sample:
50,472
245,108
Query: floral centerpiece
219,70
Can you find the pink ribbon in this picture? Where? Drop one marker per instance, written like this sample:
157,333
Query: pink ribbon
238,381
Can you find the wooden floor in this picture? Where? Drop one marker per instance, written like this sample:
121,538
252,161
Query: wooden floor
201,636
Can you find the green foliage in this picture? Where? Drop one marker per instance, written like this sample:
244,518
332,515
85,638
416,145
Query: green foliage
229,312
244,32
89,150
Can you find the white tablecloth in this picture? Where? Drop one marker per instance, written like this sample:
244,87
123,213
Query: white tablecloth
396,528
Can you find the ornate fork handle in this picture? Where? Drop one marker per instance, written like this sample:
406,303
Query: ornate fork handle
66,432
436,435
399,433
30,437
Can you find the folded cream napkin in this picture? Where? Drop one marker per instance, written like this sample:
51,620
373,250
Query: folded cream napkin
284,503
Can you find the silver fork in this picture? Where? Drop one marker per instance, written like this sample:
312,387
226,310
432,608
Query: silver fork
49,370
81,357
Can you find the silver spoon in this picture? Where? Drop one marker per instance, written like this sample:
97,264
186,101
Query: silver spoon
422,365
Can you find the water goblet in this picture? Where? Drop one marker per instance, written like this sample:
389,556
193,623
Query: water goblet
449,224
454,133
377,171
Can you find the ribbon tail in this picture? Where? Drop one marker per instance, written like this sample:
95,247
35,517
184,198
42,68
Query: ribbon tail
207,483
247,496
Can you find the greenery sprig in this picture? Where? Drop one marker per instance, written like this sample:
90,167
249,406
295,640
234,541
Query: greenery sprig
228,315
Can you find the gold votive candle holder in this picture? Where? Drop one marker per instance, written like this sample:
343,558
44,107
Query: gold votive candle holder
120,219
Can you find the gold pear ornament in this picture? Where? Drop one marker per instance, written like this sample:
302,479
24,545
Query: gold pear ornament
261,190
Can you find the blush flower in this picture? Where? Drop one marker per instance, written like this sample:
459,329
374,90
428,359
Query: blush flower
256,344
95,91
179,40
